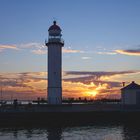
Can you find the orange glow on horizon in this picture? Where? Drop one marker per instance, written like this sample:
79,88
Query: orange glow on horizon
33,85
91,94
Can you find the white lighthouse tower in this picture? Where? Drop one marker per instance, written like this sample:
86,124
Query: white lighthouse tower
54,44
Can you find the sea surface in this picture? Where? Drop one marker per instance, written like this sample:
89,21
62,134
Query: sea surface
87,132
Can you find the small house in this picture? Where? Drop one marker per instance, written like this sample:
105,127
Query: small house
130,94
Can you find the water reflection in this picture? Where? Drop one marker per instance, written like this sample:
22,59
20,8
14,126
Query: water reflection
15,133
54,133
29,133
97,132
131,132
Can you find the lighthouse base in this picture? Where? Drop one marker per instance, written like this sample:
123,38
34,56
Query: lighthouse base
54,95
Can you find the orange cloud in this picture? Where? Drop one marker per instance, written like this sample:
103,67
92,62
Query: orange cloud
36,48
129,52
44,51
91,90
71,51
39,51
31,45
12,47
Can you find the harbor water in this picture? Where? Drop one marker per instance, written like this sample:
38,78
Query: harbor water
89,132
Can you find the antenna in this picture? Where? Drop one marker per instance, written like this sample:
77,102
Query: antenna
54,19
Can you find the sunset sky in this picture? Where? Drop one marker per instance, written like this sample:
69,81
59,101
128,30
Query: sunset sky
102,46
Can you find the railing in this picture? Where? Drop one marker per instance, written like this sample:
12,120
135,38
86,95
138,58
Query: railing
53,40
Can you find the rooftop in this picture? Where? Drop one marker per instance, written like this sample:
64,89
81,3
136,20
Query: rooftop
131,86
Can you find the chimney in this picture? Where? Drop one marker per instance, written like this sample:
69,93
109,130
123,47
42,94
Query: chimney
123,83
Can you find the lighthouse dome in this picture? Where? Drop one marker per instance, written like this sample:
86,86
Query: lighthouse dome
54,30
54,27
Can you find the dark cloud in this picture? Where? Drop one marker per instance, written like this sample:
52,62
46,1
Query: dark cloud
98,73
19,79
87,77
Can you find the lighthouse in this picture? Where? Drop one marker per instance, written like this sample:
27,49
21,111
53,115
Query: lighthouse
54,44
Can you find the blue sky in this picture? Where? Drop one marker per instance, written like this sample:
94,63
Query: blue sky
104,34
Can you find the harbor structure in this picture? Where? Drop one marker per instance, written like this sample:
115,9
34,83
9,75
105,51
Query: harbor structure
130,94
54,44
